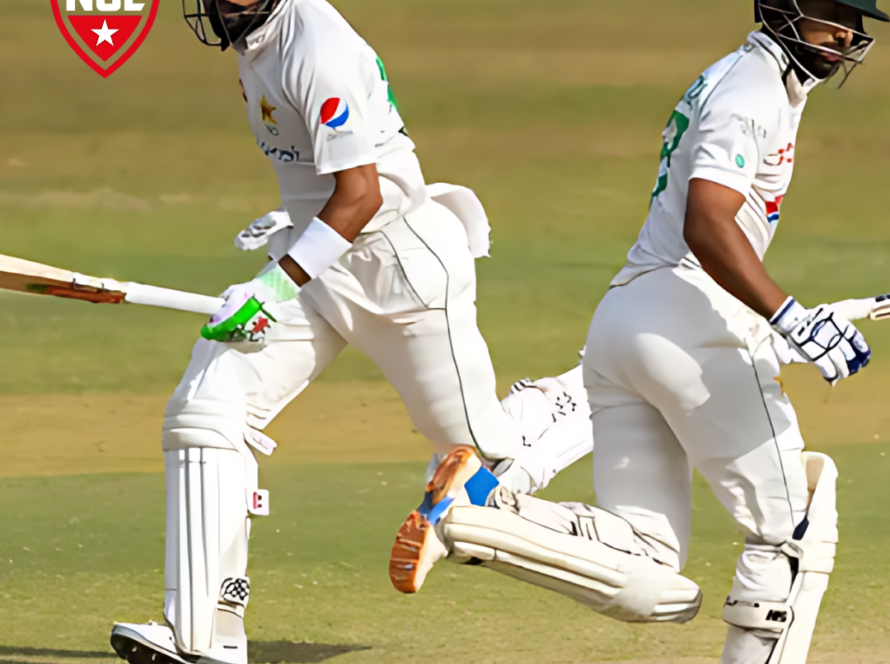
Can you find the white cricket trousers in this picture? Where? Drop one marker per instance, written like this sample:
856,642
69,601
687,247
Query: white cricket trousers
681,375
404,295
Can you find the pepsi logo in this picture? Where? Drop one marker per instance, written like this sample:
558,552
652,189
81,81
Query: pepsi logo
334,113
772,209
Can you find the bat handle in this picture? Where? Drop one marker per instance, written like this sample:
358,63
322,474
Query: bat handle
855,309
166,298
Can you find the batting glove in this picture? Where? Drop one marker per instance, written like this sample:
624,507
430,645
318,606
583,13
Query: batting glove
261,231
823,337
244,316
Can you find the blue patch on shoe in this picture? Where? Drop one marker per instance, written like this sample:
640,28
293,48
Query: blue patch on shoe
439,510
480,486
426,506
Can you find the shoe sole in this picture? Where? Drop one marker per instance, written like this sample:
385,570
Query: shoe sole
135,651
417,547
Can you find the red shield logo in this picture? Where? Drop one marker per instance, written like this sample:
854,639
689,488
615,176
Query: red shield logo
105,33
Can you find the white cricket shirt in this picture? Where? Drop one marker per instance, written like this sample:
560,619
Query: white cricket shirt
736,126
318,102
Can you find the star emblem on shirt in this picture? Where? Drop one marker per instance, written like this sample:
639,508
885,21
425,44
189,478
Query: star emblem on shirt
267,110
104,34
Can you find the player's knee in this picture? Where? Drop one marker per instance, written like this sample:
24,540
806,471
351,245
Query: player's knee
656,593
202,423
209,408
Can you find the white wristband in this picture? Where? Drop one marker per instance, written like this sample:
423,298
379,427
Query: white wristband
318,248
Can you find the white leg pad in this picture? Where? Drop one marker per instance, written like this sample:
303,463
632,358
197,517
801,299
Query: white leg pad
811,555
582,552
208,527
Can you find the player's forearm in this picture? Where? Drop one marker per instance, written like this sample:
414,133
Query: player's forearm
354,203
728,258
724,250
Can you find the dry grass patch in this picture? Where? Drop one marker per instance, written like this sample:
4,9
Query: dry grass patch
50,435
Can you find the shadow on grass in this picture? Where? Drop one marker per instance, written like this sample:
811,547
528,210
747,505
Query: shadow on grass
261,652
288,652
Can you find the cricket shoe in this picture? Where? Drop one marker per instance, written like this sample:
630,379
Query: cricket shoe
460,480
155,644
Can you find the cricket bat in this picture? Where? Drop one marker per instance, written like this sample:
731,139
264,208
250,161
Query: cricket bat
24,276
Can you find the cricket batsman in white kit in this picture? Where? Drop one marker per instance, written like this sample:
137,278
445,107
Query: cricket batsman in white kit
682,371
362,253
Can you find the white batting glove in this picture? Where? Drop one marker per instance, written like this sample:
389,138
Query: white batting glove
258,233
823,337
244,316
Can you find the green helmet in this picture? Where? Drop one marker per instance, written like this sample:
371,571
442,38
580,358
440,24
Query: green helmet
868,8
781,20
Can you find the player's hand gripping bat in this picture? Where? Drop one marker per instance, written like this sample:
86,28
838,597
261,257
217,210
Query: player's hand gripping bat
27,277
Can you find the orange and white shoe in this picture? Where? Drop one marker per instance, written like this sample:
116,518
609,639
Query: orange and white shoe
461,479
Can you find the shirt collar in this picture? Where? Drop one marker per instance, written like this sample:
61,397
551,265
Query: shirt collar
797,91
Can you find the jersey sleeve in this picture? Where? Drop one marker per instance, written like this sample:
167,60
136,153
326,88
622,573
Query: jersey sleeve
331,88
731,140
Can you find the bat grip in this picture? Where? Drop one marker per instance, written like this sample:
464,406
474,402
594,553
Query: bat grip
855,309
153,296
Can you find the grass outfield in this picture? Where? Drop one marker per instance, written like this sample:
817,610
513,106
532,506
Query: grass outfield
81,551
552,112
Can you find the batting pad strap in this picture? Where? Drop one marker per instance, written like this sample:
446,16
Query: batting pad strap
318,248
766,616
236,591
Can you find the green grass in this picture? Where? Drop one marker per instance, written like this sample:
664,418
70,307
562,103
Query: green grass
80,552
552,112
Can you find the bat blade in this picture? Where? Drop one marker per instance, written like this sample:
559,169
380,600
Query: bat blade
17,274
23,276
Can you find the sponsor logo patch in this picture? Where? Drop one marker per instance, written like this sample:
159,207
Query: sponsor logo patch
287,156
772,210
334,113
783,156
268,118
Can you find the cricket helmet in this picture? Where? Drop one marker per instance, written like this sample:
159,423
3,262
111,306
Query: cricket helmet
782,19
221,23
